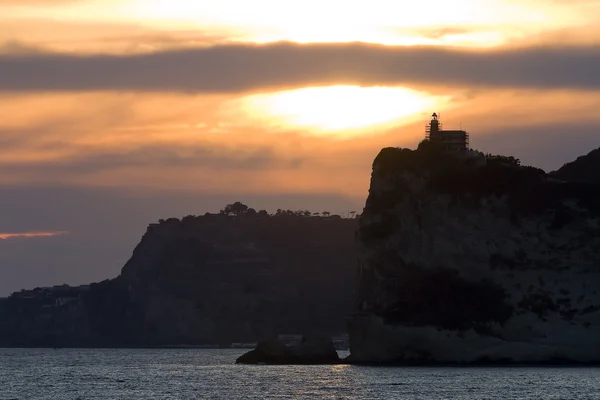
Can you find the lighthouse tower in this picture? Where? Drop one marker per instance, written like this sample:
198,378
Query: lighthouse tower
434,126
450,140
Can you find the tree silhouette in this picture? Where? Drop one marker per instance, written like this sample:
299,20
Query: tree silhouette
235,209
188,218
505,160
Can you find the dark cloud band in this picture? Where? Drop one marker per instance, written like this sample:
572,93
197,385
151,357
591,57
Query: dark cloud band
213,156
238,68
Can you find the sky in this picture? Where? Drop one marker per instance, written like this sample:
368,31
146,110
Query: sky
115,113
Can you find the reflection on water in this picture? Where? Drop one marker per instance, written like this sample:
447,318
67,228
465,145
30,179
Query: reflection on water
212,374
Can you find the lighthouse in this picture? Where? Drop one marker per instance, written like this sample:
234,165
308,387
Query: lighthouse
449,140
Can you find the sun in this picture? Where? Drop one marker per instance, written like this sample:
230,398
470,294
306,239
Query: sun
339,109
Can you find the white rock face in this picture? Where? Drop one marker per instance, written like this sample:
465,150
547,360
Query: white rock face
466,275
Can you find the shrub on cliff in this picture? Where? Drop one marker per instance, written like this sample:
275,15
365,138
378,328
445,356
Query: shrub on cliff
506,161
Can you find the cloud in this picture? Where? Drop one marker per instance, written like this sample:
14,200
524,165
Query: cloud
25,235
239,68
135,140
24,36
214,156
16,47
9,3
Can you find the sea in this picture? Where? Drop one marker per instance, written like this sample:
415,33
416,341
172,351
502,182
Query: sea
73,374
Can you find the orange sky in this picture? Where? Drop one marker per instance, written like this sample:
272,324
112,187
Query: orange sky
175,96
265,140
93,24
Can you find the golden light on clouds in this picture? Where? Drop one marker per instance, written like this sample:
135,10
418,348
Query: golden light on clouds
378,21
340,109
475,23
5,235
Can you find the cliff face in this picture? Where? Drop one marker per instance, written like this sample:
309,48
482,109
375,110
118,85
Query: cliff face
204,280
217,278
460,262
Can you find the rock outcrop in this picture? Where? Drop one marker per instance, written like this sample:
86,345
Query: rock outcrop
461,262
584,169
312,351
212,279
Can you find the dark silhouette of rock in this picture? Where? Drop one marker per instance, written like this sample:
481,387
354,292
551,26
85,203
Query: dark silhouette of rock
584,169
213,279
312,351
463,262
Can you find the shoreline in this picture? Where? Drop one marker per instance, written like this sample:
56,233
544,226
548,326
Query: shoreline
412,364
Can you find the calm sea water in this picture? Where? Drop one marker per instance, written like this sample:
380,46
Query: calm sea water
212,374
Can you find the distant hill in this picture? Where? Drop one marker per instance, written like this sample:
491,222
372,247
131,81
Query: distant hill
239,276
583,169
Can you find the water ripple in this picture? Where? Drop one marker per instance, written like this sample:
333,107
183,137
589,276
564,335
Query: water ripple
40,374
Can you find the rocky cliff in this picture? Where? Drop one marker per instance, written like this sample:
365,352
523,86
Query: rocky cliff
583,169
468,261
212,279
219,278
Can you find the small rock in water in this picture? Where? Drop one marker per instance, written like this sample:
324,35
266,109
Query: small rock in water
312,350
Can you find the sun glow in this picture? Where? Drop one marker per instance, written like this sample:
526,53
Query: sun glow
472,23
339,108
377,21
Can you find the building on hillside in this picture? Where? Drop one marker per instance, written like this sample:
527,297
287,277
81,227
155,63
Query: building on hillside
450,140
